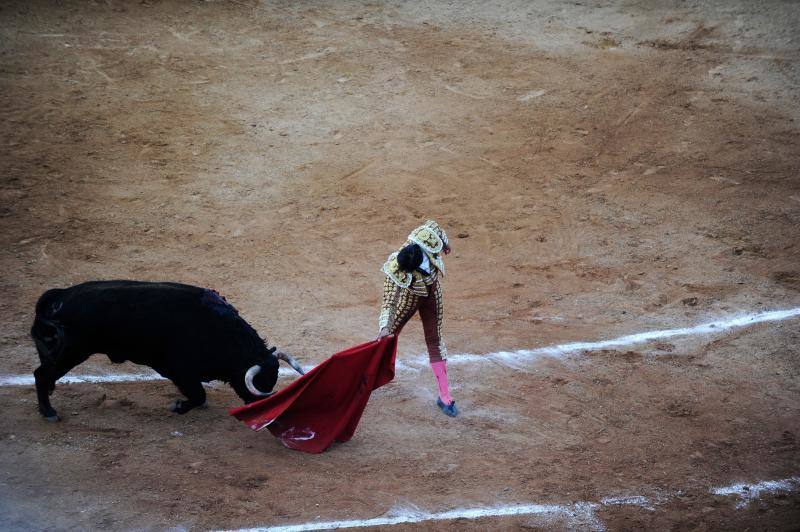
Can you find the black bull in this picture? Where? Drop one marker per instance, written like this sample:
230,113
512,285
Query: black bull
187,334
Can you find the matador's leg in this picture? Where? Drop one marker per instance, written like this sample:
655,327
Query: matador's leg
432,314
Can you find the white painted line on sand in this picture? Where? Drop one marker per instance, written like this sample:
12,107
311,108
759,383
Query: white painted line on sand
713,327
28,380
509,357
581,515
751,492
531,95
632,500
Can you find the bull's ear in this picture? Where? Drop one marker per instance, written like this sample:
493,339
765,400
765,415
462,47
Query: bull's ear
271,350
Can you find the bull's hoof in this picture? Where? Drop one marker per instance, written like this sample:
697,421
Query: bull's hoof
49,415
180,407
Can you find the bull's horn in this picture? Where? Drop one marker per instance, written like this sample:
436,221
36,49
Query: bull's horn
248,381
289,359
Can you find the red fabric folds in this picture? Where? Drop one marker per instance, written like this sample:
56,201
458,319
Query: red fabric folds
325,404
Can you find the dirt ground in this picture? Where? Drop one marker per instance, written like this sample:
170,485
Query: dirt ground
603,168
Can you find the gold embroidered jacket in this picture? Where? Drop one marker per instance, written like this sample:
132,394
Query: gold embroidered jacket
402,289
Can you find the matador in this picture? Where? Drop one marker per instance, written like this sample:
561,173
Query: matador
412,285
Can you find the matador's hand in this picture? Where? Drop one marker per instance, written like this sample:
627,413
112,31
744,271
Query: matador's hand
384,333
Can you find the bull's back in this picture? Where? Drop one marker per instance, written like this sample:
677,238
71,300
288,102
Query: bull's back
137,318
151,323
115,303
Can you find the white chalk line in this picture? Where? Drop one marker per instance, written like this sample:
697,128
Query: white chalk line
555,351
507,357
631,500
28,380
582,514
748,493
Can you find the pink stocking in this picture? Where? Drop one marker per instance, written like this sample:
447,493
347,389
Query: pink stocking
440,370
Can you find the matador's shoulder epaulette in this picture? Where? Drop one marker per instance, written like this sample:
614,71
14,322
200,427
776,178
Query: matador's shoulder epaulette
392,270
429,236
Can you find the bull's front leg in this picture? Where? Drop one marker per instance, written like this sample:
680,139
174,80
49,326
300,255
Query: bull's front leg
48,373
45,383
194,392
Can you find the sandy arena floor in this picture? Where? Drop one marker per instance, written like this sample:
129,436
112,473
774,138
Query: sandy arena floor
603,169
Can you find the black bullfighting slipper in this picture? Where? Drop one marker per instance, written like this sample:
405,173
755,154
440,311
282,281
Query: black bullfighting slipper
450,409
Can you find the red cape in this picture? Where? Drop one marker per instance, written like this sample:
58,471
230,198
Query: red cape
326,403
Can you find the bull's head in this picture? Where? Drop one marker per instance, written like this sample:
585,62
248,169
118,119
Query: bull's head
255,370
